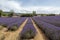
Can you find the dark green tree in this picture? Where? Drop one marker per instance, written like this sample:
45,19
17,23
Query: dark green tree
1,13
51,15
11,13
34,13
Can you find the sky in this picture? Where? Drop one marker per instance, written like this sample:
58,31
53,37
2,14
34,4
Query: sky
27,6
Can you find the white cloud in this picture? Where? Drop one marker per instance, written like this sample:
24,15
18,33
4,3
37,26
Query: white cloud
7,5
43,9
10,5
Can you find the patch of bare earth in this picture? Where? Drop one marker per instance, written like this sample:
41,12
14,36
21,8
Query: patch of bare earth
3,33
13,35
40,35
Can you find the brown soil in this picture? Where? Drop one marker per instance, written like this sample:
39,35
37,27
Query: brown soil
40,35
13,35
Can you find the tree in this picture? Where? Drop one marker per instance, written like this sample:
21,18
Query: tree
34,13
51,15
11,13
1,12
4,14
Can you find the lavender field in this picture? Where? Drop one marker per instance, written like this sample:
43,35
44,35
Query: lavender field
29,28
50,25
29,19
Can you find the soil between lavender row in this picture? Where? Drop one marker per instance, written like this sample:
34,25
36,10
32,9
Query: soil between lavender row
12,35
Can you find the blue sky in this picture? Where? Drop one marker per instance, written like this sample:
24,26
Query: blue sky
40,2
40,6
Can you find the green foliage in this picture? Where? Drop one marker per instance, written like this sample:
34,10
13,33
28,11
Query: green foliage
34,13
42,14
11,13
51,15
26,15
13,28
0,12
4,14
4,25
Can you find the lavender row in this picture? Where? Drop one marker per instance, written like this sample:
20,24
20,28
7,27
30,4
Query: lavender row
55,20
28,31
16,25
12,23
51,31
7,20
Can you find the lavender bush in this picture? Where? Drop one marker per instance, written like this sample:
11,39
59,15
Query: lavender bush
12,23
16,25
55,20
51,31
28,31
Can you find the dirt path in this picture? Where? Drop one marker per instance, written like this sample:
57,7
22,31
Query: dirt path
40,35
14,35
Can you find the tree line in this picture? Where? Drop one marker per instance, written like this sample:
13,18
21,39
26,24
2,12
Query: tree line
11,13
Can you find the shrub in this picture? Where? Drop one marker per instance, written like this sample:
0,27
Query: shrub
4,25
29,34
13,28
